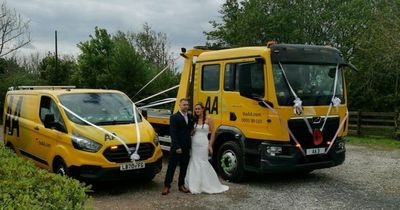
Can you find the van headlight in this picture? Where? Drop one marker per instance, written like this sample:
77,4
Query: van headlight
85,144
156,140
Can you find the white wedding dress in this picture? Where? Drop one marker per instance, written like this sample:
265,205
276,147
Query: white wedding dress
200,176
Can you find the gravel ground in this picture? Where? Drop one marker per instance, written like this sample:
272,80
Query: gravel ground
368,179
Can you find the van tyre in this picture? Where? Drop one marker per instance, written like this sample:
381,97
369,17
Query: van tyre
60,167
230,164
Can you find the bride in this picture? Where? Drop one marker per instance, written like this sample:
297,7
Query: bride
200,176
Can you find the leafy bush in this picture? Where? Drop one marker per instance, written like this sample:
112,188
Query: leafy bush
24,186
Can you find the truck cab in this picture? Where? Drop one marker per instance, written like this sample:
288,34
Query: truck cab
276,109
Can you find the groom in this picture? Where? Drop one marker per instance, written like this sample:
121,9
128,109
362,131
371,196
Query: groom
180,128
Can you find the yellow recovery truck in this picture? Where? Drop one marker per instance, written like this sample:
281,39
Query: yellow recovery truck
276,108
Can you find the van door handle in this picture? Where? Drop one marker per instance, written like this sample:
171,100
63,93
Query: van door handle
36,128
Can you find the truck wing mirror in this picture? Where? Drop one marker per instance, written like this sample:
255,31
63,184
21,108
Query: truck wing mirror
245,80
351,66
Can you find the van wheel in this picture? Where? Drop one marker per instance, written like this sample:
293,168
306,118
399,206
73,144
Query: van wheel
60,167
230,162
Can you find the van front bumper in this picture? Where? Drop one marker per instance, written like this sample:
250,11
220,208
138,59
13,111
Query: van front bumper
98,173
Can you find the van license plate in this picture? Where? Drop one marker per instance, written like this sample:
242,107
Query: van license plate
132,166
315,151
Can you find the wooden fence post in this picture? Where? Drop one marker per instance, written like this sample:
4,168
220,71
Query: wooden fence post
358,122
396,126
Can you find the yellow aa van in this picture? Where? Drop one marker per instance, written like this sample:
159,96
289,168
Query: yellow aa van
83,133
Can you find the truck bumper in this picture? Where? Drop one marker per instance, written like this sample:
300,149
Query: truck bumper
293,160
97,173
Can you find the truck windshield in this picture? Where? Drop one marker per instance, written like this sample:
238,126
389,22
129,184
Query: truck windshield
313,83
99,108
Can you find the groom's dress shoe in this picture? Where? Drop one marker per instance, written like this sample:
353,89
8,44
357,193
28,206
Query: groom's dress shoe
165,191
183,189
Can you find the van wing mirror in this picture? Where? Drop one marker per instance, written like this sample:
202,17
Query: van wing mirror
49,121
144,113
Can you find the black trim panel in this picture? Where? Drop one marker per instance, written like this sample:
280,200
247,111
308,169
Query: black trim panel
229,58
34,157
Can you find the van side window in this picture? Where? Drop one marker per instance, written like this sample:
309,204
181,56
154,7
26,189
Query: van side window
48,106
231,77
210,77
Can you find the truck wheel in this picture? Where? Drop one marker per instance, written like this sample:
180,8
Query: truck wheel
230,162
60,167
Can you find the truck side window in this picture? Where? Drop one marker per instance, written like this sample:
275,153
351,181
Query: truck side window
231,77
257,79
48,106
210,77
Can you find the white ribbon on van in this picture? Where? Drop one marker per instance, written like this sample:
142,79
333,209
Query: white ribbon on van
133,155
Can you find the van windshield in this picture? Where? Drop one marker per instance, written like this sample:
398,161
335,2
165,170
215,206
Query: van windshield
312,83
99,108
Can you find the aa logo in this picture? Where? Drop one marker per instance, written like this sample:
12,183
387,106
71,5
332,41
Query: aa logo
12,120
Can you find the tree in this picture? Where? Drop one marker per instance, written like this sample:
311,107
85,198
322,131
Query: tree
14,31
95,59
129,69
125,61
154,47
366,32
12,75
61,76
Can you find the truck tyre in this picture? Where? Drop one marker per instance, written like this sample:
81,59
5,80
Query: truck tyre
60,167
230,162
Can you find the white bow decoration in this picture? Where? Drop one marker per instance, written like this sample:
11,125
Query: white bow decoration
297,107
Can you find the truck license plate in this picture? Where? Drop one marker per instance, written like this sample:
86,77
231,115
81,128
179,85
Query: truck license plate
132,166
315,151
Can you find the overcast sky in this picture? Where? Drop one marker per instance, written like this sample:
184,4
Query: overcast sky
182,20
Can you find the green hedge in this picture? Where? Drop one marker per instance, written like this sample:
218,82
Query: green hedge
24,186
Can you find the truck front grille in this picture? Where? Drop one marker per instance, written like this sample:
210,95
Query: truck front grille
299,129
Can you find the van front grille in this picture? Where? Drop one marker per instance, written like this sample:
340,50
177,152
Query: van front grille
120,155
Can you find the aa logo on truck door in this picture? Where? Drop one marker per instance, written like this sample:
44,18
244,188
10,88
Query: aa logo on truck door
12,120
214,107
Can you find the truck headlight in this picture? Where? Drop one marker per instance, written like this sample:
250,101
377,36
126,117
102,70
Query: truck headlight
341,145
273,150
85,144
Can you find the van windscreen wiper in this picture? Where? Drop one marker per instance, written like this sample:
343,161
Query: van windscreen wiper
114,122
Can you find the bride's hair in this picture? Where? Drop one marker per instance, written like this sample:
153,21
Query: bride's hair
196,117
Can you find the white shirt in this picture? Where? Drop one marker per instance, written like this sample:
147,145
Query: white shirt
184,116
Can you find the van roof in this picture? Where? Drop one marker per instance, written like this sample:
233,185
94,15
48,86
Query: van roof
57,92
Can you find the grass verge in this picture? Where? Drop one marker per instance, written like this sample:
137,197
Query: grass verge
374,141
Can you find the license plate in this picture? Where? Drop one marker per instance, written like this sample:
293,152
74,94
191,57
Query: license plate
315,151
132,166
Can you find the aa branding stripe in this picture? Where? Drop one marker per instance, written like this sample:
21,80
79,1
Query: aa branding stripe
214,107
12,120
